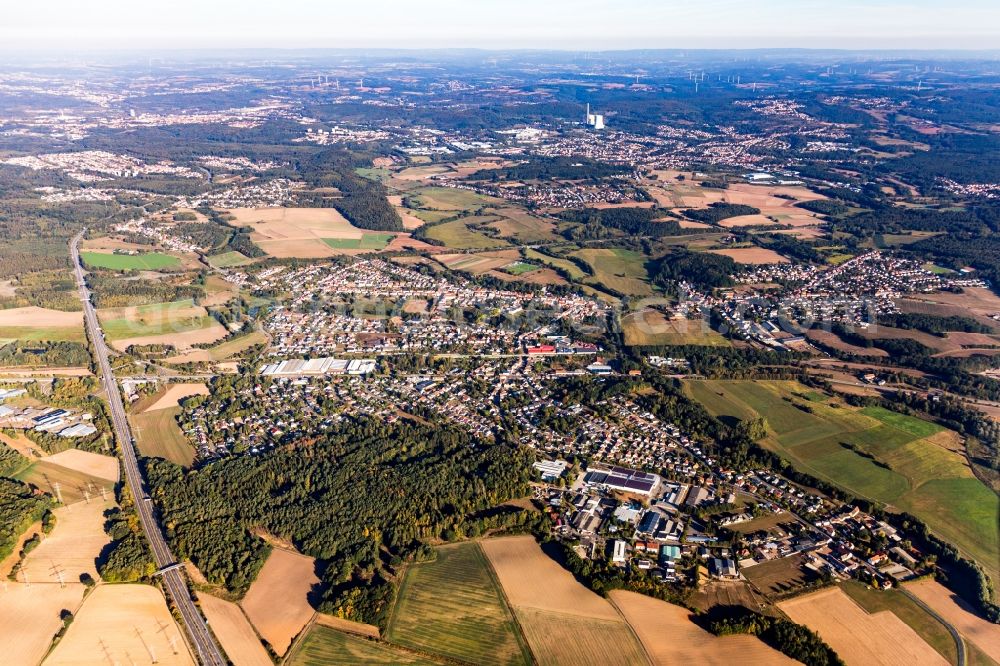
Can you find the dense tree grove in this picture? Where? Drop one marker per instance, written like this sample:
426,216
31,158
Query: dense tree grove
633,221
701,269
19,508
359,498
719,211
789,638
933,324
112,291
56,354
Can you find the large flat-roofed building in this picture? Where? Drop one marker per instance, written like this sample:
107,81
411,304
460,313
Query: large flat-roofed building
318,366
624,479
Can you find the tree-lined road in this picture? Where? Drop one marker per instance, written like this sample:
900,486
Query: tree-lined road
200,639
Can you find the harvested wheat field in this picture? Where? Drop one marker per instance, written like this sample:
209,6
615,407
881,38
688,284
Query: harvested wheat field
295,232
123,624
529,577
985,635
37,317
752,255
478,263
92,464
234,632
860,638
563,621
671,638
176,393
7,563
30,618
73,546
277,603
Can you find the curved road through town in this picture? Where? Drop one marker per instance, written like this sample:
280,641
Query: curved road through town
199,638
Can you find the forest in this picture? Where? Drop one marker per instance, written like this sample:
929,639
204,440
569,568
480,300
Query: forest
361,498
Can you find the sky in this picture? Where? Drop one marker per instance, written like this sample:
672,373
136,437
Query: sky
551,24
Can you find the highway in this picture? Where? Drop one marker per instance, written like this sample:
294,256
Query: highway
199,638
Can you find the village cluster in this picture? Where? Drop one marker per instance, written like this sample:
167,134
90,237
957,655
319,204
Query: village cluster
374,306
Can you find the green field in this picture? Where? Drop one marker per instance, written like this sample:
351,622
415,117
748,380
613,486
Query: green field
149,261
897,603
229,348
519,268
228,260
450,198
158,435
457,234
453,607
39,333
621,270
366,242
571,269
323,646
915,470
155,319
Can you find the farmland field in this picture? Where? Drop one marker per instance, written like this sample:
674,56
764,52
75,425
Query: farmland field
452,607
122,624
671,638
919,470
277,602
457,234
860,638
780,575
228,260
57,480
29,618
35,323
652,327
149,261
897,603
956,612
563,621
157,434
451,199
73,546
566,265
155,319
323,646
234,632
752,255
621,270
365,242
221,352
173,396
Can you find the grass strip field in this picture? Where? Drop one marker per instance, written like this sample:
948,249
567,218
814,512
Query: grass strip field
41,333
458,234
158,435
149,261
126,328
228,260
453,607
916,468
621,270
323,646
571,269
366,242
897,603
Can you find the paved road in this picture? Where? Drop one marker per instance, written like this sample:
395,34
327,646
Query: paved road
199,638
959,643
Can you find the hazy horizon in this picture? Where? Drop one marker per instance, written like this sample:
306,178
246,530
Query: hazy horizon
511,24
